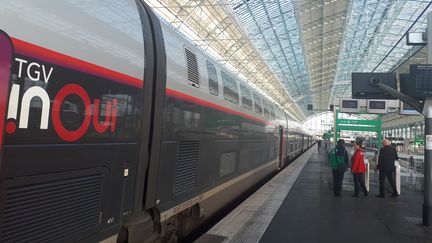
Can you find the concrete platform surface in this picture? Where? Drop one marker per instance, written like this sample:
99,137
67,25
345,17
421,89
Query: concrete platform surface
248,221
310,212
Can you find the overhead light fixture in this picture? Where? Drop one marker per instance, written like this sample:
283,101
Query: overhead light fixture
416,39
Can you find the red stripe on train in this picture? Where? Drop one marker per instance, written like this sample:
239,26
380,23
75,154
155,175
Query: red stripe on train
182,96
44,54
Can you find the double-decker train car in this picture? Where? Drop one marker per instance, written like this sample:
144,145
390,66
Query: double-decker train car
114,127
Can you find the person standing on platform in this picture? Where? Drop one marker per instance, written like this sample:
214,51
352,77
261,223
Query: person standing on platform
319,144
338,158
386,167
411,162
358,169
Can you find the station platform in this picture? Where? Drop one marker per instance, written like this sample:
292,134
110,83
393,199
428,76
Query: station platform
298,205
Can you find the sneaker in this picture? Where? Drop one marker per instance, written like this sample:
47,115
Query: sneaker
395,195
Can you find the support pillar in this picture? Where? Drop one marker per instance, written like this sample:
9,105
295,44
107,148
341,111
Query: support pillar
427,112
427,204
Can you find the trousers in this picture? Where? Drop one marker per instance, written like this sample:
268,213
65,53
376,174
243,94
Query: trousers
383,174
359,183
337,182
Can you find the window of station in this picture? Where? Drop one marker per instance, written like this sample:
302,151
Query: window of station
246,97
213,79
230,88
258,103
266,109
192,68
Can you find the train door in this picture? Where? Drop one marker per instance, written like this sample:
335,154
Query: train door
302,146
287,146
155,76
281,147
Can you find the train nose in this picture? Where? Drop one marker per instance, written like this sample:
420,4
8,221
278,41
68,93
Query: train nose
6,51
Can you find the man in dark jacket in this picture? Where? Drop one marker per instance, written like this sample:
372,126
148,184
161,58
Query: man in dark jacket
386,160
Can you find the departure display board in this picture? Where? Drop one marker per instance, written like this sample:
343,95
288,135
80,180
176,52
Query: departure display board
376,106
373,104
406,109
418,83
349,105
363,88
352,104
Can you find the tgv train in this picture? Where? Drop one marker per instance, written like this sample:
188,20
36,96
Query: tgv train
113,127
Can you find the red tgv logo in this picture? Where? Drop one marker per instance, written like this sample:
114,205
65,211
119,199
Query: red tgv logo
10,103
6,50
21,104
55,111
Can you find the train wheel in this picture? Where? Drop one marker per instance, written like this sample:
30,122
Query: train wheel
169,230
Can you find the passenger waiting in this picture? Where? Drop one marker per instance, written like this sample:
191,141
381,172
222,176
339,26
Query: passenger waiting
386,166
411,162
358,169
338,158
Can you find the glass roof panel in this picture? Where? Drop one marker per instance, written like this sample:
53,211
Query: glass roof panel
373,30
273,28
214,28
300,52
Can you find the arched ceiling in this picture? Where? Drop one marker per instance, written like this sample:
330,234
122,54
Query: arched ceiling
301,52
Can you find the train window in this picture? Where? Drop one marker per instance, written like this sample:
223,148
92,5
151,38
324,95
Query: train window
230,88
266,109
192,68
258,103
227,163
272,112
213,79
246,97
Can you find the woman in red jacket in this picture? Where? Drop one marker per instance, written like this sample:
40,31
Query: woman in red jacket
358,168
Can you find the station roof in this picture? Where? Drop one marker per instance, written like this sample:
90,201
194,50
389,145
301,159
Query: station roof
301,52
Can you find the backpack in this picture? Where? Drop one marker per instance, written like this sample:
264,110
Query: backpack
337,162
